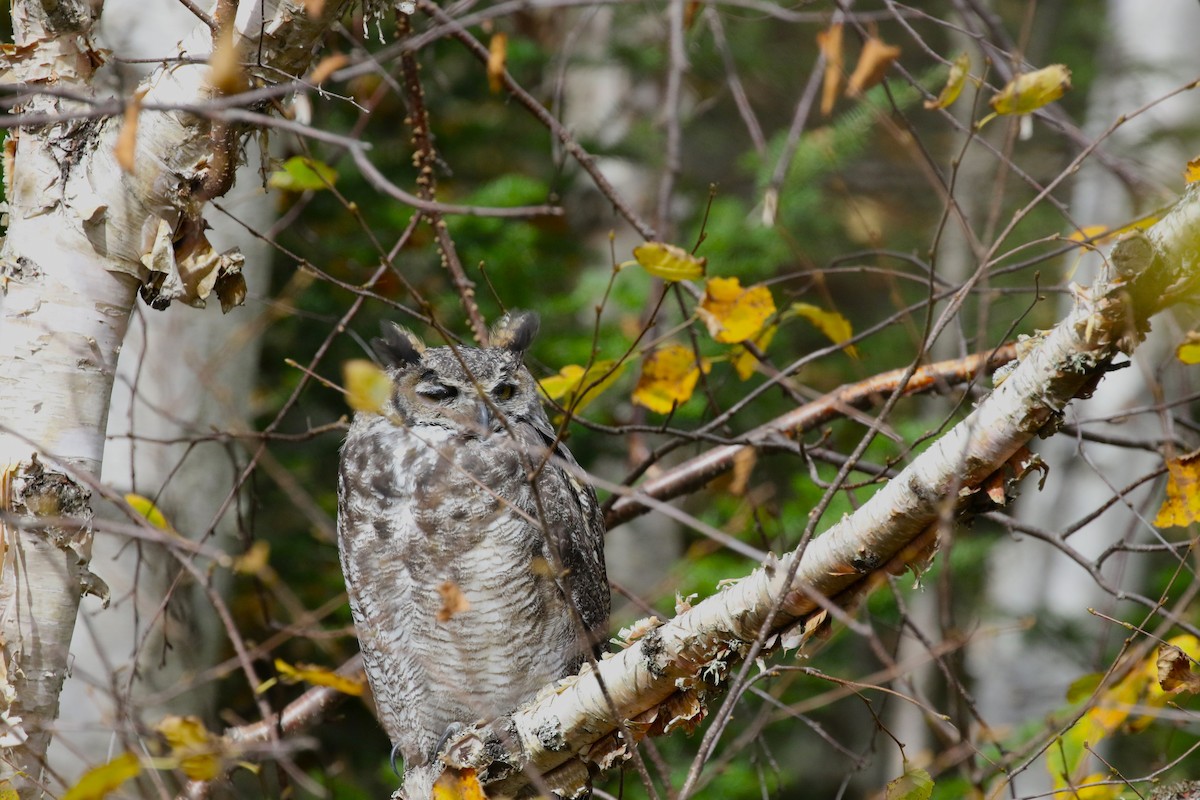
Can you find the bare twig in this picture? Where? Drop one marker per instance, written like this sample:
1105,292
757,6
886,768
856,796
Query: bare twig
546,118
696,472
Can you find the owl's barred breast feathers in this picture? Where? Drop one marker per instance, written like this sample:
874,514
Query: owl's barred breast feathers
473,559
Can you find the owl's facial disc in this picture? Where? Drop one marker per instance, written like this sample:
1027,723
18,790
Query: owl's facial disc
474,408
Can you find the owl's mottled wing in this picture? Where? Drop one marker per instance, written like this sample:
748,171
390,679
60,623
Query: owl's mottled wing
576,515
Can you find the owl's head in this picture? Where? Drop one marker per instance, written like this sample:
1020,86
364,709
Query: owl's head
471,390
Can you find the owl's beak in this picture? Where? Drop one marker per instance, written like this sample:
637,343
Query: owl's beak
483,415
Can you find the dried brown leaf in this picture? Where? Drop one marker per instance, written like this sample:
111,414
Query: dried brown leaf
874,61
1175,673
830,42
453,601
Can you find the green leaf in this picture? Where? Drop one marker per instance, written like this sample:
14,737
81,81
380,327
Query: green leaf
914,784
302,174
1083,686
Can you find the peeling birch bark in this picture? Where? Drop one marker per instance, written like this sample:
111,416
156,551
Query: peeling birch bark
661,677
84,236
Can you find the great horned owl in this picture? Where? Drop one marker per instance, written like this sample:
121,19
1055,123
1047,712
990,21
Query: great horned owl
474,560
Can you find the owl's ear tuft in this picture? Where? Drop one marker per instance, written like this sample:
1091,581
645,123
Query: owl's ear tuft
515,331
398,346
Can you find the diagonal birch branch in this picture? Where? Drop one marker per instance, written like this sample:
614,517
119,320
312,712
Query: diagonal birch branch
659,680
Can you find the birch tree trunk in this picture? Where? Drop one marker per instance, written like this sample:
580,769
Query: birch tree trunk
181,374
83,236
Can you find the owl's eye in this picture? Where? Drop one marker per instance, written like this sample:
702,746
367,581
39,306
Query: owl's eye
437,391
504,391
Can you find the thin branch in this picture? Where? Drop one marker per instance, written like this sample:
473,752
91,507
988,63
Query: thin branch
696,472
425,159
380,182
581,156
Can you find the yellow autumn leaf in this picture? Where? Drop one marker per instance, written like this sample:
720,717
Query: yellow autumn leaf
146,507
97,782
669,376
255,561
874,61
458,784
830,42
1100,234
497,57
197,751
575,387
1189,350
734,314
1031,91
1069,755
1191,172
318,676
960,70
367,386
1181,506
830,323
1088,233
669,262
1114,705
744,361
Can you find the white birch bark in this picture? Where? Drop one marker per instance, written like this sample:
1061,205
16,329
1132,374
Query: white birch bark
657,682
82,235
181,374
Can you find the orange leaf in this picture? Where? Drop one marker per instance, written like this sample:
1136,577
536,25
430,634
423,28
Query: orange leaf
458,784
327,66
453,601
873,63
734,314
1181,506
960,70
830,42
126,146
1031,91
497,57
668,378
